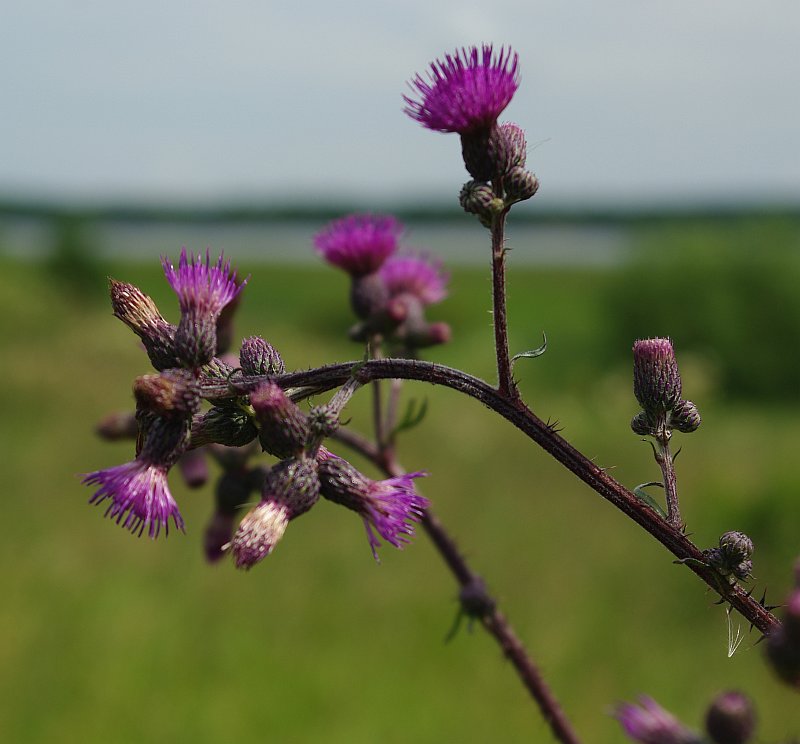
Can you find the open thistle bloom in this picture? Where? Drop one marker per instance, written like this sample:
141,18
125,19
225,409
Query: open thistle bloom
649,723
358,243
138,490
417,275
388,507
203,290
465,92
291,488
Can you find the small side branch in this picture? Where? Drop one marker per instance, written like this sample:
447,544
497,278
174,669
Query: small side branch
486,610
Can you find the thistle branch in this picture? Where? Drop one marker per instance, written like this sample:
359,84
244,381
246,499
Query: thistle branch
517,413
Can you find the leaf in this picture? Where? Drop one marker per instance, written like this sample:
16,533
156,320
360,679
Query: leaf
532,353
413,416
647,499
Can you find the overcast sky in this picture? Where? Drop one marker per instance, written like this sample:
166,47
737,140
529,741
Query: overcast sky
623,101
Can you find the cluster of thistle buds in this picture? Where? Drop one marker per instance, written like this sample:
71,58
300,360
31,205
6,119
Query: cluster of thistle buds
730,719
657,387
783,644
465,94
732,559
390,287
170,427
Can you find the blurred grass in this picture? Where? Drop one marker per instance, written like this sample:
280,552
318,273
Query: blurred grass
108,638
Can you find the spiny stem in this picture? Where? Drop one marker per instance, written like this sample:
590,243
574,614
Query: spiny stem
493,620
517,413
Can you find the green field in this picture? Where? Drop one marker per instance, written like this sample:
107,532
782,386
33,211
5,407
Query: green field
109,638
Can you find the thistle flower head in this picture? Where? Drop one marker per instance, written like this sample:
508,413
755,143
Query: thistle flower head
649,723
291,488
358,243
466,91
262,527
140,496
203,288
388,507
418,275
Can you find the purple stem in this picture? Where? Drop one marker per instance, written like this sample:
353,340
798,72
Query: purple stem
505,381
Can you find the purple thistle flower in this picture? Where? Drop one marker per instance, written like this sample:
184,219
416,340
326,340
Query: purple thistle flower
202,288
140,497
392,506
465,92
358,243
416,275
388,507
649,723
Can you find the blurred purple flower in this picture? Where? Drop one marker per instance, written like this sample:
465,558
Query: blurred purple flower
358,243
649,723
418,275
466,91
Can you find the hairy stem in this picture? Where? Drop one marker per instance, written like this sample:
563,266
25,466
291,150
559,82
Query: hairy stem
517,413
505,382
666,463
491,618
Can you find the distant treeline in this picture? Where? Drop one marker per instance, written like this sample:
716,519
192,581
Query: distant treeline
246,213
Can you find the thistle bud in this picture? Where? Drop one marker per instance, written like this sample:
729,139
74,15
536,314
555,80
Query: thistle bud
226,425
194,468
510,147
138,311
783,643
731,719
116,426
684,417
520,184
257,357
656,380
642,425
173,392
368,295
732,557
476,197
282,427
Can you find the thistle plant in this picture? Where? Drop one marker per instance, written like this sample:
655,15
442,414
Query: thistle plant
202,402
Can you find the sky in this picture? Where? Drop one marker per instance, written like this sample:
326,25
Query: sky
623,102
